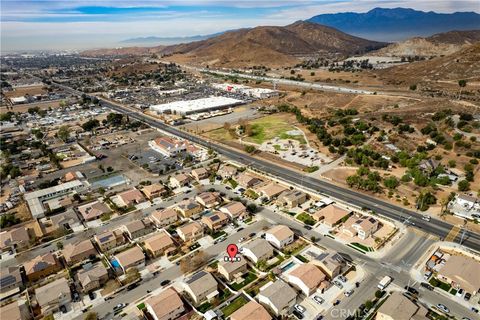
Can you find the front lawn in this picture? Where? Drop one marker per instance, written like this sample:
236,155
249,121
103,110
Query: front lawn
234,306
204,307
306,218
251,194
218,234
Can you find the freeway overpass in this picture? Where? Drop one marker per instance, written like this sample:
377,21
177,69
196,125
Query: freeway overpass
436,227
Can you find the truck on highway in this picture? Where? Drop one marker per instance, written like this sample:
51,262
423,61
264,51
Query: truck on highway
384,282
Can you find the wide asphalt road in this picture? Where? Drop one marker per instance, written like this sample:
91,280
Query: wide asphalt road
436,227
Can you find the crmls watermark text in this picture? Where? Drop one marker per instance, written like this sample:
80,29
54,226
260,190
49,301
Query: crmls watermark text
344,313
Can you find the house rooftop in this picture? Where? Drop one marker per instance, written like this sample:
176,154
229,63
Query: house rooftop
252,310
51,291
464,271
279,293
130,256
280,232
165,303
309,274
201,280
259,247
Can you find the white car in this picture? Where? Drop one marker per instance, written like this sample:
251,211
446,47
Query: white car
300,308
241,239
318,299
426,218
348,293
443,308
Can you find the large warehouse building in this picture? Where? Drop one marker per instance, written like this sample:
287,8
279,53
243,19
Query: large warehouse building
195,106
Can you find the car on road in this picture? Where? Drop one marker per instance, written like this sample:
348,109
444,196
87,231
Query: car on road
252,234
427,286
357,284
241,239
300,308
318,299
165,283
297,314
120,306
443,308
348,293
240,229
307,227
411,290
132,286
337,302
426,218
474,310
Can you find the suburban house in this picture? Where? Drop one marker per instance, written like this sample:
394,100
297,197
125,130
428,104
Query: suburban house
208,199
271,190
109,239
92,277
465,206
130,197
130,258
138,228
74,253
200,173
168,146
70,176
166,305
428,165
41,266
159,244
331,215
164,217
307,278
179,180
215,220
258,249
399,307
246,180
278,297
232,270
252,310
65,222
53,295
201,286
227,172
190,232
154,190
14,239
93,210
10,281
291,198
363,226
188,208
461,272
235,210
279,236
330,263
17,310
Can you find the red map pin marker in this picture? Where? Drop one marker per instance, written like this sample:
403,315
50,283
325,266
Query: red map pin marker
232,250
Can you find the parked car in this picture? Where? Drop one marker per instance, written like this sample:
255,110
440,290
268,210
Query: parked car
318,299
443,308
165,283
427,286
307,227
342,278
63,309
338,284
91,295
459,292
467,296
120,306
300,308
474,310
337,302
297,314
411,290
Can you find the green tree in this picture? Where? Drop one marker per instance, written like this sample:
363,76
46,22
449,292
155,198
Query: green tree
90,125
462,83
59,245
64,133
463,185
250,149
391,182
91,316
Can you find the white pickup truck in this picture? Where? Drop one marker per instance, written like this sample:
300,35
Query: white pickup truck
384,282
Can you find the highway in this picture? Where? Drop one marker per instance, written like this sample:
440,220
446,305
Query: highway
434,226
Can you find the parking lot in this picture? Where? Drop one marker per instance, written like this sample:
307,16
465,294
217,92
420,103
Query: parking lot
154,161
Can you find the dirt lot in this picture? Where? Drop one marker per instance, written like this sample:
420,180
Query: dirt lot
20,92
24,107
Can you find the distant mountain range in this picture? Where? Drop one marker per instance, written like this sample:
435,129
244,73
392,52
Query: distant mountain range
264,45
398,24
153,40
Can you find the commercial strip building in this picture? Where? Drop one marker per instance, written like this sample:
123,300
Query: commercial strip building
186,107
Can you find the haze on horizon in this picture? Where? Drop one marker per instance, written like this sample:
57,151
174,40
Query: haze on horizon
75,25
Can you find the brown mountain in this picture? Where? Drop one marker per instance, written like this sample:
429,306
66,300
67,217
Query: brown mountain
267,45
462,64
436,45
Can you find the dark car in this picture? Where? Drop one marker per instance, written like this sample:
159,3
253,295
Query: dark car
411,290
240,229
132,286
357,284
307,227
91,295
297,314
165,283
337,302
427,286
63,309
467,296
252,234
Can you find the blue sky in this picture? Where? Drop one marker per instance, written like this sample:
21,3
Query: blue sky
72,24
